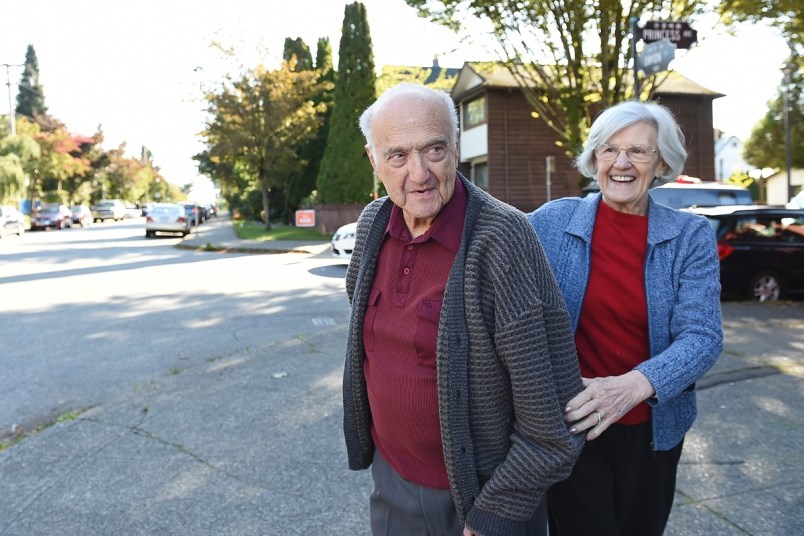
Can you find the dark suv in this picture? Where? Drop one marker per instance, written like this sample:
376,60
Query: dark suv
761,251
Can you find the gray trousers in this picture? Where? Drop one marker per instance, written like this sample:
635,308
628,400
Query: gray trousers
399,507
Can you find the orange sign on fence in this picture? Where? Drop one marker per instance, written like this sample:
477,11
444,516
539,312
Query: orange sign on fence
305,218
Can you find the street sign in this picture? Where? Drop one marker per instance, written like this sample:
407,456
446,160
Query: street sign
679,33
656,57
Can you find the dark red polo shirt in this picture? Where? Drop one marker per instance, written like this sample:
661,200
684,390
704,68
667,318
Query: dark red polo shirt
612,335
399,333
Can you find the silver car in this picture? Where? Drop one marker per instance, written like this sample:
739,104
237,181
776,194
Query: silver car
166,218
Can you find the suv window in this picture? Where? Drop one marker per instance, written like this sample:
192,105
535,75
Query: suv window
766,229
700,196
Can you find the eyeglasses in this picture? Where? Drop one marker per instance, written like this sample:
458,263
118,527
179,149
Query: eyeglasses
605,152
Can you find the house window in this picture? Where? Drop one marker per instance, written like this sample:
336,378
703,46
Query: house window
474,113
480,175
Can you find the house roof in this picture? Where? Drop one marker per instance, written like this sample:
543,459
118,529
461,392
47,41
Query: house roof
724,141
474,75
676,83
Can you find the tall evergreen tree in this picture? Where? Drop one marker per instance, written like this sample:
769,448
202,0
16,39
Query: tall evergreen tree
31,96
297,47
346,175
303,181
323,56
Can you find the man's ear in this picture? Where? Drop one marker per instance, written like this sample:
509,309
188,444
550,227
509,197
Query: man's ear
371,156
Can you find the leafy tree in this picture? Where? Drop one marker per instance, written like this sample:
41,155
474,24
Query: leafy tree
18,155
784,14
570,58
258,121
345,175
766,145
437,78
31,96
79,185
298,48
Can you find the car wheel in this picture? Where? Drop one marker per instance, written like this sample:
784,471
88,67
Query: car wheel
765,286
149,234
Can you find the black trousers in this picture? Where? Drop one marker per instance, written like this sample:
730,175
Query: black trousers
618,487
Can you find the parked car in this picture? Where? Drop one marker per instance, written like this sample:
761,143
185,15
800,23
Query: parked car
52,215
761,251
132,211
688,192
166,218
343,241
109,209
12,221
194,212
81,215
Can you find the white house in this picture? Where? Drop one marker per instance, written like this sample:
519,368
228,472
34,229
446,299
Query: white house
729,158
777,185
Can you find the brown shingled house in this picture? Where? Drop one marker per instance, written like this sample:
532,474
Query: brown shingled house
505,150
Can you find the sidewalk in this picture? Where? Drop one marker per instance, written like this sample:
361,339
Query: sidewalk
217,234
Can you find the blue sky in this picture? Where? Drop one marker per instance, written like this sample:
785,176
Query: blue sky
137,67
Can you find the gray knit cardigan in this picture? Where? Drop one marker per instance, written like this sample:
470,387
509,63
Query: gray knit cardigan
506,365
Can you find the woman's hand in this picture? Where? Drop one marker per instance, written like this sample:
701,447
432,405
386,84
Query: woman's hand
604,401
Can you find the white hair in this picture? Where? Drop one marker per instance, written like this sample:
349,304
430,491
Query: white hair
403,89
669,137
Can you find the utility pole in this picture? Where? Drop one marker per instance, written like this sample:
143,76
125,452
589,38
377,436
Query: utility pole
788,69
12,123
634,38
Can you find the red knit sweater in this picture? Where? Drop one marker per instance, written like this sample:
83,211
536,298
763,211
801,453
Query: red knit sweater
612,334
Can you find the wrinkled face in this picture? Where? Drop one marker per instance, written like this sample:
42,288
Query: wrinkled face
623,183
414,157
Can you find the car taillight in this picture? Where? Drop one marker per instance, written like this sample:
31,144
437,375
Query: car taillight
724,249
150,219
181,219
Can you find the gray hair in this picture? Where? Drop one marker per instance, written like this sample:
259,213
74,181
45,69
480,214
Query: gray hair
669,137
407,88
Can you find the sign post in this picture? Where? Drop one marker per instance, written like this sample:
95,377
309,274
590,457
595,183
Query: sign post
662,38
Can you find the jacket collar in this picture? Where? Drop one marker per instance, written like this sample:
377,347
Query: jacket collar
662,223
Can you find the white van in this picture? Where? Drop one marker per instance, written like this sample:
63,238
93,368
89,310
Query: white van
689,192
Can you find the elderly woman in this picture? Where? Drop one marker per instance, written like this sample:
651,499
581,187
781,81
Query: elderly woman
641,283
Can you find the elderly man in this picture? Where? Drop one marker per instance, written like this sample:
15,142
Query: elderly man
460,357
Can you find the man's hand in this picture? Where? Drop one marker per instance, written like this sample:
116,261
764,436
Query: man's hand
604,401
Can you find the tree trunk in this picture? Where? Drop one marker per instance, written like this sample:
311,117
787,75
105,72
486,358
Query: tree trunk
266,206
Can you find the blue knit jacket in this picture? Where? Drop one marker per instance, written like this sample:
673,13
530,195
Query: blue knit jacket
682,285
